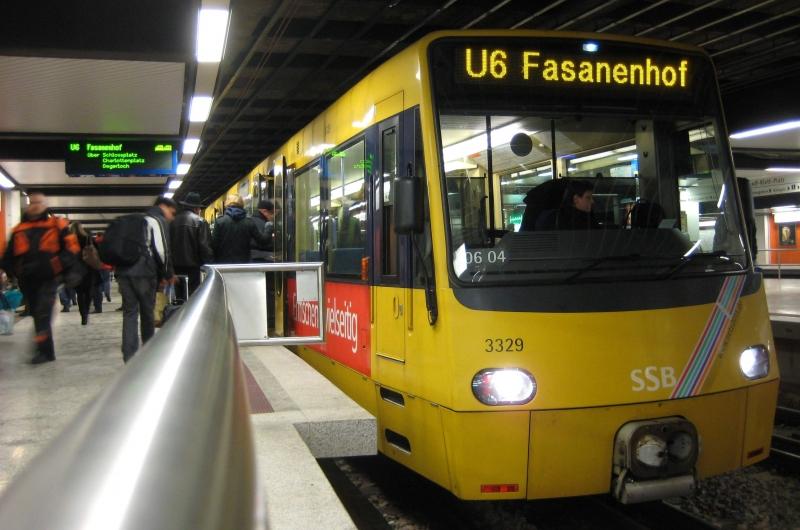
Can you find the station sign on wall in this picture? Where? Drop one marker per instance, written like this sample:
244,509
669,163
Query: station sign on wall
104,156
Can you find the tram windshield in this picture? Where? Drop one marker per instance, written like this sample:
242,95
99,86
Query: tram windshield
551,185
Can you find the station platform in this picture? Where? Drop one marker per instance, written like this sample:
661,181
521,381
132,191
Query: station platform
783,298
297,415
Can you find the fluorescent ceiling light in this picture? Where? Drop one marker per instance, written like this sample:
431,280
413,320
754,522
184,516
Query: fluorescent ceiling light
625,149
190,146
174,184
182,169
628,157
769,129
5,182
787,217
200,108
212,27
455,165
591,157
604,154
478,143
168,194
784,169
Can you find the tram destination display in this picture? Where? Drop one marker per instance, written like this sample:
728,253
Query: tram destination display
121,157
553,72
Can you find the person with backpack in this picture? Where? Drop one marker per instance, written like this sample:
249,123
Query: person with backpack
40,253
138,246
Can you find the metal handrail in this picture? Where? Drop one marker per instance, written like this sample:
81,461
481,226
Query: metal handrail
167,445
779,251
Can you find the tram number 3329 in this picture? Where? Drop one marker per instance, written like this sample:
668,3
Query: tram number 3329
504,344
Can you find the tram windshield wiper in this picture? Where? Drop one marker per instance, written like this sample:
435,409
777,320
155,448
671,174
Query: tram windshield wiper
711,257
599,261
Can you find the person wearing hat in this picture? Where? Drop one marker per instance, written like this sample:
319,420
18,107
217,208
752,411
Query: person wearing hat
190,239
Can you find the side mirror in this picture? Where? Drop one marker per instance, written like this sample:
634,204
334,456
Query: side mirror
408,212
748,209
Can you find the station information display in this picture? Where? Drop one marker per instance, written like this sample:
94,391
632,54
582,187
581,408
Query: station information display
121,157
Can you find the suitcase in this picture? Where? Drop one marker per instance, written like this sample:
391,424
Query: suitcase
171,300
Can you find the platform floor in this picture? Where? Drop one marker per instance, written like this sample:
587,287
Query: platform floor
783,296
307,417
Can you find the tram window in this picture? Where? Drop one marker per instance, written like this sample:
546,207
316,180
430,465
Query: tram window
389,265
307,227
659,190
347,224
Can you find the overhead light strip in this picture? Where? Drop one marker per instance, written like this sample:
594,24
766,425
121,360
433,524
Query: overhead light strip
212,31
769,129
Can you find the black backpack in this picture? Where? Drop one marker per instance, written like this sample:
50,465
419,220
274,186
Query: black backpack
124,241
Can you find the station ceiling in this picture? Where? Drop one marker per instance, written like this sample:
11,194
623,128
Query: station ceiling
94,67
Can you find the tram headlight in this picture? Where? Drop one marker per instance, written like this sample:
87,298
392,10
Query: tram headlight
754,362
503,386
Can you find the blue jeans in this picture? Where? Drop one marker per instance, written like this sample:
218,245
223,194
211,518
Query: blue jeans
66,295
138,303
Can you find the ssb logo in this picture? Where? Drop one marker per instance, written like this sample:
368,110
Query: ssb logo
652,378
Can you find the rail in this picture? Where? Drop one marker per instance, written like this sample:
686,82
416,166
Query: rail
167,445
778,252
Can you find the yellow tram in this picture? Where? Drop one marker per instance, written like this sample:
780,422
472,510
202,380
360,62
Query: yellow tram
505,353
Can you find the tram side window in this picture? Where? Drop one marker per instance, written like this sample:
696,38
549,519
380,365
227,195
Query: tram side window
307,227
389,263
347,225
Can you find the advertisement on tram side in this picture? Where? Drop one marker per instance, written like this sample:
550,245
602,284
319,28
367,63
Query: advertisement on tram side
347,336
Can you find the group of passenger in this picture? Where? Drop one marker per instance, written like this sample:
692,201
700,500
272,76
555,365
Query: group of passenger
567,205
47,254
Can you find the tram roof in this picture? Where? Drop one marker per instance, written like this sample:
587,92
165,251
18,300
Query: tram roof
287,60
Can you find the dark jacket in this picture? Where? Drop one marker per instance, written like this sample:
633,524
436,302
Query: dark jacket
40,248
232,234
157,261
258,251
570,218
190,240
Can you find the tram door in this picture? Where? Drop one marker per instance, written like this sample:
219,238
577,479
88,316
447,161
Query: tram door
389,295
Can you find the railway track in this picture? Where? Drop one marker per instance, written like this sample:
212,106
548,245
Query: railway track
379,494
655,515
785,450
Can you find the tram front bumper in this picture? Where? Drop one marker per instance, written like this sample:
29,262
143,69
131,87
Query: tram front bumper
571,451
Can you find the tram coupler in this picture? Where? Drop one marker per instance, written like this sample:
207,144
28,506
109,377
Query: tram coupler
654,459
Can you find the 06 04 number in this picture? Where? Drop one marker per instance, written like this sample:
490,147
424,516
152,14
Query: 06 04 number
502,345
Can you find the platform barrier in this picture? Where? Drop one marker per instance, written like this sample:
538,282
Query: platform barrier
168,444
246,285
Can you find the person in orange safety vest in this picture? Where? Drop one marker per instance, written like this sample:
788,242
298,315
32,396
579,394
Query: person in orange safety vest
39,251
